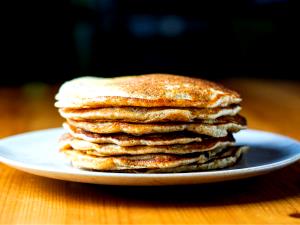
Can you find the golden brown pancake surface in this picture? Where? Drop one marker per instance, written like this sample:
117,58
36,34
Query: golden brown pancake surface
150,90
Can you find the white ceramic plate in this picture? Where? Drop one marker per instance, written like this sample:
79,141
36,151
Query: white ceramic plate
37,153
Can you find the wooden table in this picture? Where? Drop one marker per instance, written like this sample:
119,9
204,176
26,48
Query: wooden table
270,199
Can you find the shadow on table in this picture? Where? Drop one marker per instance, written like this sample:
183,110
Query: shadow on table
277,185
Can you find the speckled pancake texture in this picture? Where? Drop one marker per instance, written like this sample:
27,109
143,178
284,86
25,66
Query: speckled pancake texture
152,90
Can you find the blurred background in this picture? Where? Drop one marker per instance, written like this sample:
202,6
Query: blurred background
53,41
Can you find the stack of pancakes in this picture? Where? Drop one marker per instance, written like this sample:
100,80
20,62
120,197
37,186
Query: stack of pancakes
149,123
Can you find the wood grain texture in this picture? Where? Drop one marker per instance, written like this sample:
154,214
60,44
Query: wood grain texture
270,199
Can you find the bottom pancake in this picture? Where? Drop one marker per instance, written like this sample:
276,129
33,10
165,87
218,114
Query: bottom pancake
216,163
157,163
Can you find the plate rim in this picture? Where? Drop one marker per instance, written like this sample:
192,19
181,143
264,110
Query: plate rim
224,172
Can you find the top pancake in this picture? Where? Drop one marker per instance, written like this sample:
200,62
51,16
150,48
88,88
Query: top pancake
152,90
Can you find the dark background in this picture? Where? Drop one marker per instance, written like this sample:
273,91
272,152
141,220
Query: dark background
52,41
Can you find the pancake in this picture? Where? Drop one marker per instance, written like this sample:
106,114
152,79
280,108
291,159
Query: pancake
221,129
122,139
154,123
225,160
151,90
147,161
148,115
208,144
